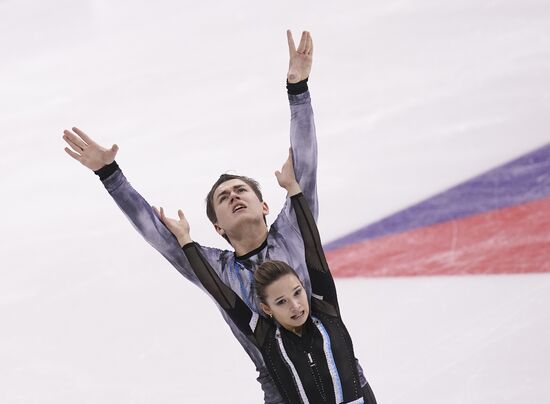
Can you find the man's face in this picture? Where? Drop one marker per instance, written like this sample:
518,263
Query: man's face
286,300
237,207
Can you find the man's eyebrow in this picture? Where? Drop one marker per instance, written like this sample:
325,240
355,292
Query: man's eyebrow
226,191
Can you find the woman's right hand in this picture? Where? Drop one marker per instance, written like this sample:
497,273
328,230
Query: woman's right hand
286,177
179,227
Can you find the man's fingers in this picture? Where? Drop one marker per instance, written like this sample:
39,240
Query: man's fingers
68,135
84,136
303,41
75,147
309,45
181,215
291,46
71,153
113,151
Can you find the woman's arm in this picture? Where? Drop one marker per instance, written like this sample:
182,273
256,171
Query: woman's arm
228,300
322,284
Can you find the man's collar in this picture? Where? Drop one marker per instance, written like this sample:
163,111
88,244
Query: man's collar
253,252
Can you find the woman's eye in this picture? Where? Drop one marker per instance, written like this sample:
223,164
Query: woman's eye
297,292
281,302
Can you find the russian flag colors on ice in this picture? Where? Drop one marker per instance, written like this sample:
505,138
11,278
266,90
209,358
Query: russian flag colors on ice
496,223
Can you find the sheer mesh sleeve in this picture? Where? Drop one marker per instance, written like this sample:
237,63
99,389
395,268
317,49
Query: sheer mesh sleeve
322,284
229,301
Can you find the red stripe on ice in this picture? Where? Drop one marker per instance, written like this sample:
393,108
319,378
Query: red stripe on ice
504,241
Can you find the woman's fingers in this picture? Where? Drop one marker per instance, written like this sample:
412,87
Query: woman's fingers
181,215
156,210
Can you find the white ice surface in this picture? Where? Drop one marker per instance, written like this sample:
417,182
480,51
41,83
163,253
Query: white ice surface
411,97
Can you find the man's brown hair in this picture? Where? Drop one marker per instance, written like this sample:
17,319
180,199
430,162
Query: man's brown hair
211,213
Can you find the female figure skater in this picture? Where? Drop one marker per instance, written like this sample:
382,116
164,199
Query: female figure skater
306,347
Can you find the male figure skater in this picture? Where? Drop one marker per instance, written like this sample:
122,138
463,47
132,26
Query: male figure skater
235,206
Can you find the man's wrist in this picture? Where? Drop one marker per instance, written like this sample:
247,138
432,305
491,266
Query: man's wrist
107,170
297,88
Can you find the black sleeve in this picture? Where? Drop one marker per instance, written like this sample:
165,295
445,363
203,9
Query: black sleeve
322,283
106,171
229,301
297,88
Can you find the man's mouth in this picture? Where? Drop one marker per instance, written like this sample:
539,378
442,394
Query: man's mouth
238,207
298,316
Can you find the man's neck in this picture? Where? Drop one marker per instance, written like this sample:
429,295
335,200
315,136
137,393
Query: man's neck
250,240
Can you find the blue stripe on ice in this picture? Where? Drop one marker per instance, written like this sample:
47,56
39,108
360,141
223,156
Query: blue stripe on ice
522,180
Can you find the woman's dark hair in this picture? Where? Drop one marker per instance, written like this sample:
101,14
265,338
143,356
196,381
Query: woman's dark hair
267,273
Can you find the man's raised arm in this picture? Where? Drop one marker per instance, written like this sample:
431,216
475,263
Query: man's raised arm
302,127
102,161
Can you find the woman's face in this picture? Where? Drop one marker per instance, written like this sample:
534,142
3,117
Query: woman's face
286,300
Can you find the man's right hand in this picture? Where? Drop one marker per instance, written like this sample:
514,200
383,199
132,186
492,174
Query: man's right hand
88,152
301,59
